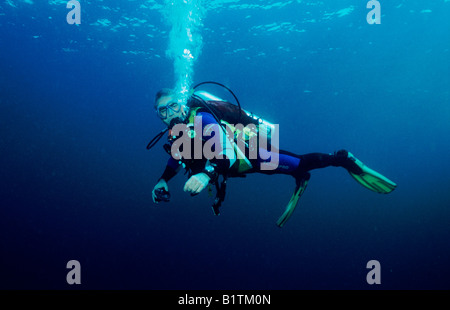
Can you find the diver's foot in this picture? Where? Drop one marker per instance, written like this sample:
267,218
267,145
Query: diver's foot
345,159
300,179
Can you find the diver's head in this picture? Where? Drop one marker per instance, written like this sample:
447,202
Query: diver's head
170,108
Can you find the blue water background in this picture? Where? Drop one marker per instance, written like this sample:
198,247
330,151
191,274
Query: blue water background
76,115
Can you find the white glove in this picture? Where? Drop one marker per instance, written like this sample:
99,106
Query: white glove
161,184
196,183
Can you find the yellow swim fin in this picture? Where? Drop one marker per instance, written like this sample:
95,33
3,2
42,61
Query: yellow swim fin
370,178
300,187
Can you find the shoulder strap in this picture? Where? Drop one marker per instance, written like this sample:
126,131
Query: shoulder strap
192,114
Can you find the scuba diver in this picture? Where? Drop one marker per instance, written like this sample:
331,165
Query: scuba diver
203,117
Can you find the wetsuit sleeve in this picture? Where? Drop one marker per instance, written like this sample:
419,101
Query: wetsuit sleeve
226,155
171,170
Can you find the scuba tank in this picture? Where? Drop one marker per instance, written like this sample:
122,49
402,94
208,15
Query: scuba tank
224,110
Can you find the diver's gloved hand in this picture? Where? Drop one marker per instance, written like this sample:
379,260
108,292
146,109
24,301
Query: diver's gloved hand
160,185
196,183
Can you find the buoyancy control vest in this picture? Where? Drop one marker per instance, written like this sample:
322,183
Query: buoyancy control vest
239,126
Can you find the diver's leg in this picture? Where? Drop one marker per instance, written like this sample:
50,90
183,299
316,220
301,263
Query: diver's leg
297,165
365,176
313,161
287,162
